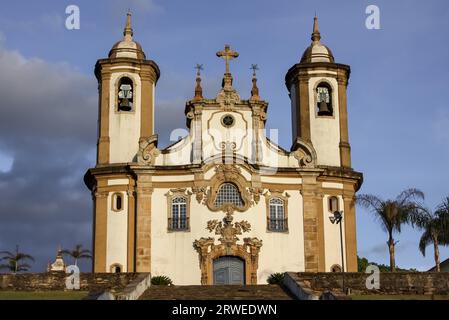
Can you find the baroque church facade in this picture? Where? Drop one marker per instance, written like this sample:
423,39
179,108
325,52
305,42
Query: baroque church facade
225,204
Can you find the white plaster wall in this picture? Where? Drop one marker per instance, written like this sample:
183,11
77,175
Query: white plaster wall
332,185
118,182
188,177
117,234
270,179
173,253
179,154
214,133
124,127
325,131
332,236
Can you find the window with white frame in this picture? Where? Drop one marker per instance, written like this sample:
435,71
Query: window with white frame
333,204
277,220
117,202
178,220
228,194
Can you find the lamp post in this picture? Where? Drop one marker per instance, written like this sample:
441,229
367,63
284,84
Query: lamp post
337,218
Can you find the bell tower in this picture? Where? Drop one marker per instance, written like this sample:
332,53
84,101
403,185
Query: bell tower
126,138
317,87
127,83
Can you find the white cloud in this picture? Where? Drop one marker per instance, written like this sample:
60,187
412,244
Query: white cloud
6,162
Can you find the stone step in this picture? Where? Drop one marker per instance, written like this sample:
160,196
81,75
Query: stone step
256,292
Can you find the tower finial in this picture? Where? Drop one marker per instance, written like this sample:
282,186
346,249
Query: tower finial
128,33
255,89
316,36
198,88
227,54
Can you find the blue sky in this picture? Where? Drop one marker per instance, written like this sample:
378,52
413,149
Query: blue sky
398,115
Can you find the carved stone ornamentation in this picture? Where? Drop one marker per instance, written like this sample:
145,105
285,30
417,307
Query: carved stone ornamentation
200,193
228,231
225,173
304,153
148,150
257,193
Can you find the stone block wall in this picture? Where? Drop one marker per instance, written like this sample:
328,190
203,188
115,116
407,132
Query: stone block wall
390,283
55,281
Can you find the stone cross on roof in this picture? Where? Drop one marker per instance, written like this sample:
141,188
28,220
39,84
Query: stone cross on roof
227,54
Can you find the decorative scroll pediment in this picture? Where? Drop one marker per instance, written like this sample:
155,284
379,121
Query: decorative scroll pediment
148,150
304,153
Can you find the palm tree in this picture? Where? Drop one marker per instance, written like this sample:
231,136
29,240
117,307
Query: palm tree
435,227
78,253
392,214
14,260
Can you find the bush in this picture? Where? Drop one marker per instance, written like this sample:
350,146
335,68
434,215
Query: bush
276,278
161,281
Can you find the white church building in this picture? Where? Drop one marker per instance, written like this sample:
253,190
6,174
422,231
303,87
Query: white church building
224,205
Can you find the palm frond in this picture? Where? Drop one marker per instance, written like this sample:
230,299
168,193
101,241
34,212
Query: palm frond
426,239
409,195
7,253
370,201
24,256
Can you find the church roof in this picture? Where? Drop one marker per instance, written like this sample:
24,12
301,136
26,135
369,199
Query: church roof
127,48
317,52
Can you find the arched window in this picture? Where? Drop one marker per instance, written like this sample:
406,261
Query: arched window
178,219
336,268
277,220
116,268
125,95
333,204
324,100
117,202
228,194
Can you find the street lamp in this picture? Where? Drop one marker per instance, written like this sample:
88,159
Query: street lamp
336,218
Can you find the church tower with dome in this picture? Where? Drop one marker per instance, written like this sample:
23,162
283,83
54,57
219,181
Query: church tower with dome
225,204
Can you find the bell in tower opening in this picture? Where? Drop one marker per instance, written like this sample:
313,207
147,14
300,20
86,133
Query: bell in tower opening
125,95
324,100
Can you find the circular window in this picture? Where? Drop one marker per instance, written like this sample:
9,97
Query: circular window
228,120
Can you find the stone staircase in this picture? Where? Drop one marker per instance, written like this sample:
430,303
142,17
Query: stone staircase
257,292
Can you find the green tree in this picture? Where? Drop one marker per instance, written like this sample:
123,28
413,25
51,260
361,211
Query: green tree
392,214
435,227
15,261
363,264
78,253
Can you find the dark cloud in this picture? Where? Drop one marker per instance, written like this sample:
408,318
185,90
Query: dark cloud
48,125
48,119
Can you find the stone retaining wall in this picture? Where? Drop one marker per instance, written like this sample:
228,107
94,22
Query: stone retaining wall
55,281
390,283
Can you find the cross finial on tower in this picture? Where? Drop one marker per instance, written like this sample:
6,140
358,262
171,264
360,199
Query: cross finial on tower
316,36
255,89
198,88
199,68
227,54
254,67
128,32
